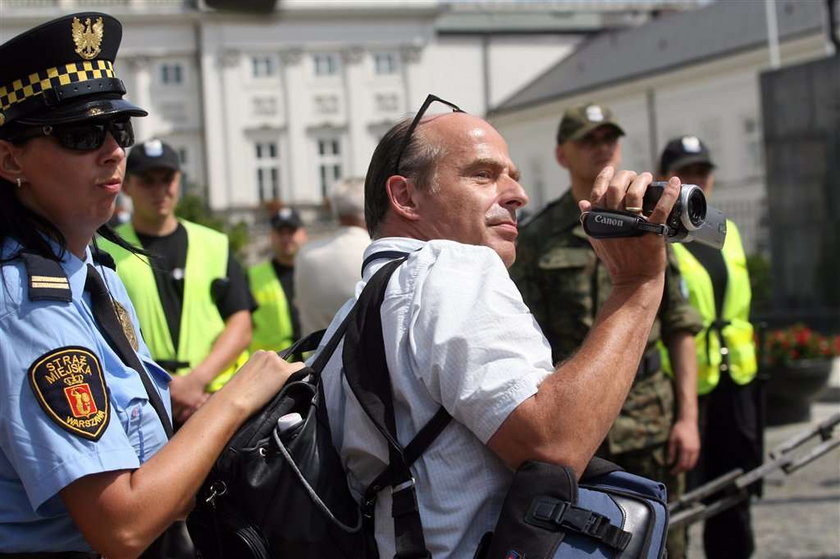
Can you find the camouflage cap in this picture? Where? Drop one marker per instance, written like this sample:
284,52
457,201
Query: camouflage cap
580,120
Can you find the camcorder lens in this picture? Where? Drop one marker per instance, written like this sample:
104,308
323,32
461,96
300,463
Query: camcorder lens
696,207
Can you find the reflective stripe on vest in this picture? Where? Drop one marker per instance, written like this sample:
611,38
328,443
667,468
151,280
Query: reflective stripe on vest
738,333
202,324
272,321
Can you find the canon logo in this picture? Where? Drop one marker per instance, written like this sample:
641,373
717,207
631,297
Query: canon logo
608,220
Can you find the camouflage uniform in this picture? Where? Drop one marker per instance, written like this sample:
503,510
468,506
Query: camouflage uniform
564,284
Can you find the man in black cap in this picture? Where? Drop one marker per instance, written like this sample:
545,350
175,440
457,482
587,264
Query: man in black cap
719,288
565,284
276,324
192,299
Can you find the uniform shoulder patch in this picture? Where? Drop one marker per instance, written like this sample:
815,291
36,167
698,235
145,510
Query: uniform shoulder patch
69,384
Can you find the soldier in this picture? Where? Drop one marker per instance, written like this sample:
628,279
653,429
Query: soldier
564,284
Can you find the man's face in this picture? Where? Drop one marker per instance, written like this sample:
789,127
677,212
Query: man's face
154,193
700,174
476,192
585,158
286,242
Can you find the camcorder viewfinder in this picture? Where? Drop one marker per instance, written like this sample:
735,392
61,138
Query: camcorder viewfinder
691,219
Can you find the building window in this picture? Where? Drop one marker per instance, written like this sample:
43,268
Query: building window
268,171
755,146
329,163
182,155
171,73
263,66
387,102
385,63
264,106
326,64
326,104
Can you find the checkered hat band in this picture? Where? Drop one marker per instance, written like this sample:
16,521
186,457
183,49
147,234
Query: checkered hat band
35,84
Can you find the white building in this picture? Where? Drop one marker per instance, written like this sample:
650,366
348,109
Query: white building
277,106
695,72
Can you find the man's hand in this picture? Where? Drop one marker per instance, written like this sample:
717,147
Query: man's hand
630,260
187,396
683,446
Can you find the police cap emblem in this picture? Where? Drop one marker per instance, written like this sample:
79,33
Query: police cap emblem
87,37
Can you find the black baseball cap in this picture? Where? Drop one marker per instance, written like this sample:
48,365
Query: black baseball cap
683,151
580,120
62,71
152,154
286,218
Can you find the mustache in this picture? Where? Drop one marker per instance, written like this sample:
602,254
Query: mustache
501,215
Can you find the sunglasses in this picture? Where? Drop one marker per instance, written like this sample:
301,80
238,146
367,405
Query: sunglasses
423,108
85,136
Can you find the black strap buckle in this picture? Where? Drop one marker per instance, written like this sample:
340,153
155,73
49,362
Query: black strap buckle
553,514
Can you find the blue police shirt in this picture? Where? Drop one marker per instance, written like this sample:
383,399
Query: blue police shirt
38,455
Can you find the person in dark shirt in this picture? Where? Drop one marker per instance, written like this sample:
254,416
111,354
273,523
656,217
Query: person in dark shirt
276,323
191,295
719,288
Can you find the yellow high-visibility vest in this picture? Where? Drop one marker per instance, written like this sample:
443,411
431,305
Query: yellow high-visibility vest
738,333
272,319
201,323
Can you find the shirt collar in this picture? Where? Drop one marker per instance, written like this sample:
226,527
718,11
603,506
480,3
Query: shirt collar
389,244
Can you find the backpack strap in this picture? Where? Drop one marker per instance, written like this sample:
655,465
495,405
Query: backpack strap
366,371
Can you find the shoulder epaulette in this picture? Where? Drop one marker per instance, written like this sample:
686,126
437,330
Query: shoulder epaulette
46,278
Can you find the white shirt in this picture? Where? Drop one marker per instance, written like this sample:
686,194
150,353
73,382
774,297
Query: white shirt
457,334
326,273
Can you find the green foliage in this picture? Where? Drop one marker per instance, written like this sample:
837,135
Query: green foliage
193,208
758,267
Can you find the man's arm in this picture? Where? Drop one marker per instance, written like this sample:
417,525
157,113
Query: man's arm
188,391
235,304
576,405
684,440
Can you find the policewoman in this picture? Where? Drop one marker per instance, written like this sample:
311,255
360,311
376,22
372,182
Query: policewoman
86,467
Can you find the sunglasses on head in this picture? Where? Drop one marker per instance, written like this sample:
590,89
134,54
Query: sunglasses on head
423,108
85,136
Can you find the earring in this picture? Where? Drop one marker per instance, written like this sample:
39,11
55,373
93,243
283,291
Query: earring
19,182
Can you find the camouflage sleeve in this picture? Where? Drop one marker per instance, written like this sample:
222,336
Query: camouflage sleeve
525,275
676,313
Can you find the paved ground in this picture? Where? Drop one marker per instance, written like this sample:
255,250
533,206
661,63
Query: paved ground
799,516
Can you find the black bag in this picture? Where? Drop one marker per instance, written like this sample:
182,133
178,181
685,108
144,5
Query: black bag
268,495
285,494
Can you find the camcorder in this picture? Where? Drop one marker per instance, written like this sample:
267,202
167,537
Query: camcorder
691,219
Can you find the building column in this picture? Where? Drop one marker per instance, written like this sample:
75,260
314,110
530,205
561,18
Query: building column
354,109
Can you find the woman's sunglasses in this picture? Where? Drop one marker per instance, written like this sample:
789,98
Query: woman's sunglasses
85,136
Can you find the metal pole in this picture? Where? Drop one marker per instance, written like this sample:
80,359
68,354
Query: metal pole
772,33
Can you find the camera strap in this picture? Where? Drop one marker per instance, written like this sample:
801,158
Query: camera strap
612,224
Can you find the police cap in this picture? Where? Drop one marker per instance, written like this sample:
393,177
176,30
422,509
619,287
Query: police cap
683,151
62,71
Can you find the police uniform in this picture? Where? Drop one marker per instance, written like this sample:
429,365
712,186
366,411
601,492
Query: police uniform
69,406
564,284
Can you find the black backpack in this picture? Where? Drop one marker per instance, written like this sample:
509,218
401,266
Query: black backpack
284,493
